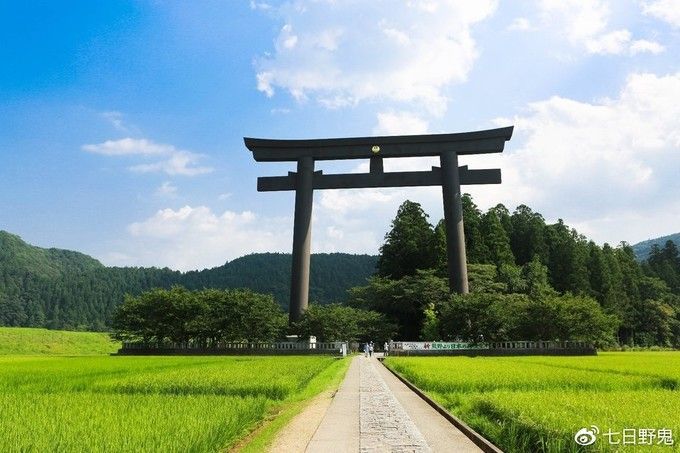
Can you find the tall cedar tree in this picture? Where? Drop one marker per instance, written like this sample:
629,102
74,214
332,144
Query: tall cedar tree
527,238
665,263
496,238
409,245
475,248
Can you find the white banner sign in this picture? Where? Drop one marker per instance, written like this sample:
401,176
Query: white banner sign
434,345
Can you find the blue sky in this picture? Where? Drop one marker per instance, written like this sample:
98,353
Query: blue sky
122,122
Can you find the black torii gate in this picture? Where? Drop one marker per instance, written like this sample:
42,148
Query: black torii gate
450,176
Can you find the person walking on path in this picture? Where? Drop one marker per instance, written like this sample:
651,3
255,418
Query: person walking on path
370,350
366,348
386,349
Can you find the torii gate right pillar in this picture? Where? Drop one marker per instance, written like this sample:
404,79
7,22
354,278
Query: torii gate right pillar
453,219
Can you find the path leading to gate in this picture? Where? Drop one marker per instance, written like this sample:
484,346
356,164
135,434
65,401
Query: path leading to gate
372,411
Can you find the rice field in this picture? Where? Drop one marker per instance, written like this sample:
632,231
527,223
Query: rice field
538,404
144,404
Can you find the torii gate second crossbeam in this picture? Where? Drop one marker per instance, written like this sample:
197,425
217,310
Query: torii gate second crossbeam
449,175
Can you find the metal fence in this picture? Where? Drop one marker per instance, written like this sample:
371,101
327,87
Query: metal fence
492,348
540,345
283,347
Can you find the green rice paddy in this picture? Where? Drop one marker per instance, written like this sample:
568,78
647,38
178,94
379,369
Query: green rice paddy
63,397
537,404
140,404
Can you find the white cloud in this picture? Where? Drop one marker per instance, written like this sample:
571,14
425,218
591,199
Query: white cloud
520,24
340,202
179,163
615,42
632,225
579,20
175,161
399,123
128,147
362,216
117,259
343,53
642,45
196,237
585,24
666,10
590,162
260,5
116,120
166,190
334,233
356,220
264,83
618,42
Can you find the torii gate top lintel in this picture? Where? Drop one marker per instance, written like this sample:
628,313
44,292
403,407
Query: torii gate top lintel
477,142
448,175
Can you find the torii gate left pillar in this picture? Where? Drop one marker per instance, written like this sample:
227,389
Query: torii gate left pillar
302,237
450,176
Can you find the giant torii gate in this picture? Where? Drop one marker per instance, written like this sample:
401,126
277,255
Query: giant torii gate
450,176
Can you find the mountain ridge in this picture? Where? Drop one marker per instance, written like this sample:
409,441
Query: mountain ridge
65,289
643,248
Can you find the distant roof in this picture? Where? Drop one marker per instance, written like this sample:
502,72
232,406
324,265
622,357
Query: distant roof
477,142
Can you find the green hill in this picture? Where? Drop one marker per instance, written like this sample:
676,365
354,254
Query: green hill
16,256
643,248
29,341
62,289
331,276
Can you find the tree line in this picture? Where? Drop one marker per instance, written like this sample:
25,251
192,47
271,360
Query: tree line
209,318
529,280
202,318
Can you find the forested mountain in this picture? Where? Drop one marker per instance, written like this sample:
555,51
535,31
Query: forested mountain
644,297
61,289
642,249
550,265
331,276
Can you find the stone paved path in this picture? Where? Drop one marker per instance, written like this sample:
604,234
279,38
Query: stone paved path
385,426
373,412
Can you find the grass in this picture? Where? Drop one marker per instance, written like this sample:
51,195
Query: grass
536,404
94,422
140,404
23,341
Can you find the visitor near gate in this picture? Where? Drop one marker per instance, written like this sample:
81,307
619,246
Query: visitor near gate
386,349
